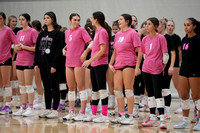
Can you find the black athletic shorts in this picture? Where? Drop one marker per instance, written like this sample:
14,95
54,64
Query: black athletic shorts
121,69
22,68
8,62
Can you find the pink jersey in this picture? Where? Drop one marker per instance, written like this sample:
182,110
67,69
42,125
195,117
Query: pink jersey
125,44
153,48
101,37
27,38
75,40
7,37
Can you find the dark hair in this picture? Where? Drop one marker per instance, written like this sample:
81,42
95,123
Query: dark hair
3,15
54,20
27,17
89,28
10,18
36,24
115,23
128,18
195,23
101,19
74,14
142,24
155,22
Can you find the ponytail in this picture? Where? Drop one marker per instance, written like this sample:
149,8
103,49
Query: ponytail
108,29
195,23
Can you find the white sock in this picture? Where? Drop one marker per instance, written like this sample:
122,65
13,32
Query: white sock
185,118
62,101
40,98
7,103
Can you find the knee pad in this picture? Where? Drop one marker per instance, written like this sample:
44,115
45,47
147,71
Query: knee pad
197,103
151,102
103,94
1,91
129,93
71,96
118,94
185,104
8,91
160,102
29,89
22,89
62,86
95,95
89,92
15,84
83,95
136,99
165,92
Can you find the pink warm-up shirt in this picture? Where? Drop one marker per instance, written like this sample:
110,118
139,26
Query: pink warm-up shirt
153,48
27,38
125,44
7,37
75,40
101,37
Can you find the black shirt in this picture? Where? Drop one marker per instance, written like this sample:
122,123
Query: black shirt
170,47
190,54
177,42
48,52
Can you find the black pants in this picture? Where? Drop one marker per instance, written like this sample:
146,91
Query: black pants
139,85
153,83
51,87
63,93
98,79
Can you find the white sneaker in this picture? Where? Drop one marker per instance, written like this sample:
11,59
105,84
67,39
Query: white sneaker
69,116
53,114
44,113
28,112
135,113
182,125
38,106
101,119
197,127
113,112
19,112
144,109
89,117
88,109
128,120
178,111
79,117
118,119
163,125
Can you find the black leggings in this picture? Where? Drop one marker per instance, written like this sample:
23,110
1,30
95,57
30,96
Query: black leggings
51,87
153,83
139,85
63,93
98,79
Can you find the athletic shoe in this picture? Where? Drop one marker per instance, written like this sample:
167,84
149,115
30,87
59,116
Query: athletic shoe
69,116
182,125
38,106
150,123
28,112
88,109
118,119
79,117
195,119
167,116
52,115
89,117
144,109
197,127
135,113
61,107
6,110
128,120
112,113
101,119
163,125
178,111
44,113
19,112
